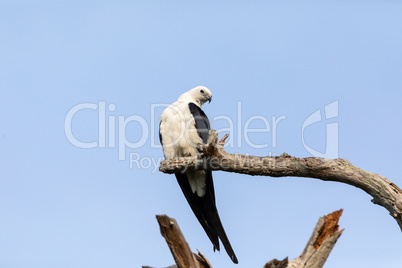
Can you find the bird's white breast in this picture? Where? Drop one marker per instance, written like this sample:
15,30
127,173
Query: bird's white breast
180,138
179,135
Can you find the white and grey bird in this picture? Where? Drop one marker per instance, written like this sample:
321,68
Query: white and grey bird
183,125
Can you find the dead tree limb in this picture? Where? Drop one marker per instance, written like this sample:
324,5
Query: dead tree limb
319,246
384,192
178,246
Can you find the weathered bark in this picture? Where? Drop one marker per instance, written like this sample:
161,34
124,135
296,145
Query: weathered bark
384,192
177,243
320,244
178,246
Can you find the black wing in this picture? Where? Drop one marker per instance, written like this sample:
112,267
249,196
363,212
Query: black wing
204,207
201,121
203,126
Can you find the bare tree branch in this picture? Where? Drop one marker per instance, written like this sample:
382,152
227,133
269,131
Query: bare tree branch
178,246
319,246
177,243
384,192
322,240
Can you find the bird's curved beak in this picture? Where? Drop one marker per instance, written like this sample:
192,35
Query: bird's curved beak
209,99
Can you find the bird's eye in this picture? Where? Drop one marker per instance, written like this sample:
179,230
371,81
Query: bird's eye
202,91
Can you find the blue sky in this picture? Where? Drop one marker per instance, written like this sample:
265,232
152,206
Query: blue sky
64,206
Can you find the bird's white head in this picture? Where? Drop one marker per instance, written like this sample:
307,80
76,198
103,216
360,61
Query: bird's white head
199,95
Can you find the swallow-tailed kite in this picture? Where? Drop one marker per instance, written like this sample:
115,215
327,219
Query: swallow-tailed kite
183,125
